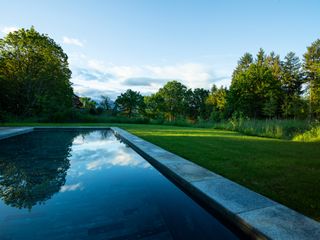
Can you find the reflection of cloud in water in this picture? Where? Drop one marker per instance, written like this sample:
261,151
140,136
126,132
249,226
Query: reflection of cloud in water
98,151
121,158
73,187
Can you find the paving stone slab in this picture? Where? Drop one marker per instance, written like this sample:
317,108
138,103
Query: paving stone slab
190,171
280,222
232,196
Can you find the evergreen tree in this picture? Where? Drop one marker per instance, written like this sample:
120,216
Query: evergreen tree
255,89
312,72
261,57
291,80
243,63
274,62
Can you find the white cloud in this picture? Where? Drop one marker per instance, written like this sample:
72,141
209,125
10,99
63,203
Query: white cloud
7,29
72,41
191,74
121,72
110,79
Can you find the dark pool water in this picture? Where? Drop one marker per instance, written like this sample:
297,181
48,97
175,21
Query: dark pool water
86,184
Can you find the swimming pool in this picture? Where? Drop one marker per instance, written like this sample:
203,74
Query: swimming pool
86,184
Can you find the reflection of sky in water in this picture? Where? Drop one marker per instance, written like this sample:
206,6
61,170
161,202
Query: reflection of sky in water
94,151
107,192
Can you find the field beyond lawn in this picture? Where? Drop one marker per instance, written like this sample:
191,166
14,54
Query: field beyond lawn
285,171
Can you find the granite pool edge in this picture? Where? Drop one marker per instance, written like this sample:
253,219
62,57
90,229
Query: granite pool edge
256,215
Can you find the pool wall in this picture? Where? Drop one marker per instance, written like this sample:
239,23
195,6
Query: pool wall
254,214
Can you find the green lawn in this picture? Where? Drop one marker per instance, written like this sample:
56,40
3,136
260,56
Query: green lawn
286,171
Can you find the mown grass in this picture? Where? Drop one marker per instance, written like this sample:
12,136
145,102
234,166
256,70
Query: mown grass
286,171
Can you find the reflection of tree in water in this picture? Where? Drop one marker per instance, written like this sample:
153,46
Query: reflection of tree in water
34,166
103,133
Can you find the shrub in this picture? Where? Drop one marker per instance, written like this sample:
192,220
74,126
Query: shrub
309,136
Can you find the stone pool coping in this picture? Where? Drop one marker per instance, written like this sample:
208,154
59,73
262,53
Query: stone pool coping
254,214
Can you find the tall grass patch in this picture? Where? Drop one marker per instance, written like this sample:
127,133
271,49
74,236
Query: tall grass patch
272,128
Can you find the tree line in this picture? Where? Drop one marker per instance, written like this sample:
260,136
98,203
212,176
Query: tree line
35,82
264,86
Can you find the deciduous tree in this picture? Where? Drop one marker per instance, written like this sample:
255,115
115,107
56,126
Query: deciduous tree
174,96
130,102
34,74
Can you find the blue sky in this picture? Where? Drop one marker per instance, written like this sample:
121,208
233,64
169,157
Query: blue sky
141,44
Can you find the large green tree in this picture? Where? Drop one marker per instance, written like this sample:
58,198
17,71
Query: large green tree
130,103
312,71
255,89
174,96
34,74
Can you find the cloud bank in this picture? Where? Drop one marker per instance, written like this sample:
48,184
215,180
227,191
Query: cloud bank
96,78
